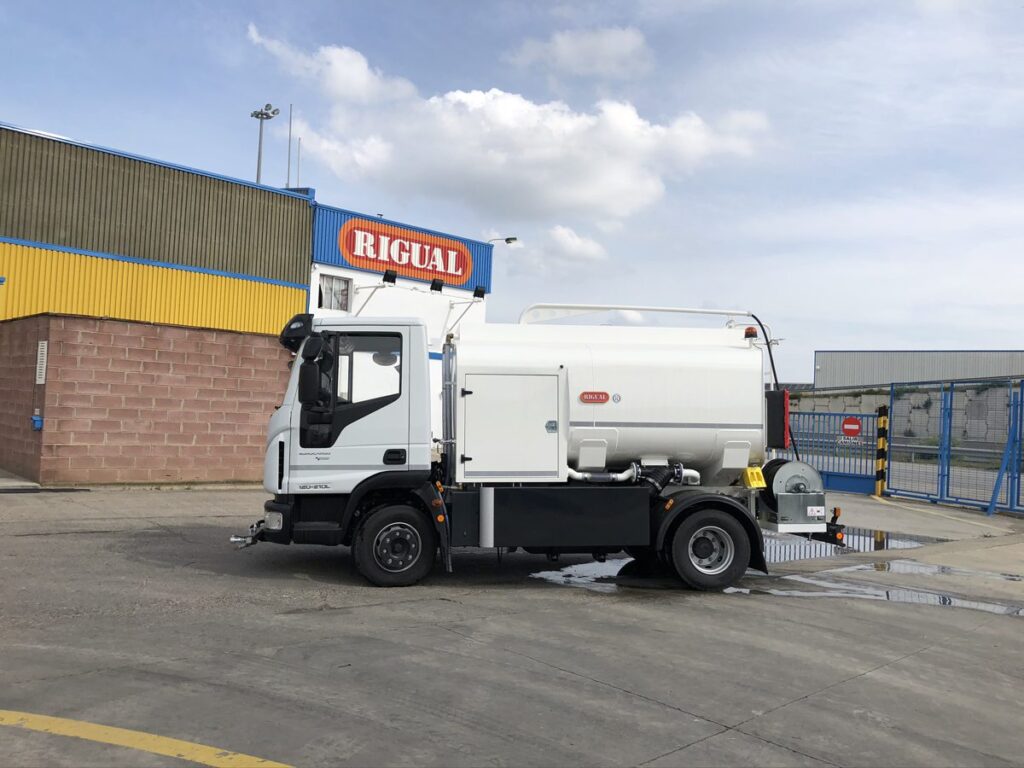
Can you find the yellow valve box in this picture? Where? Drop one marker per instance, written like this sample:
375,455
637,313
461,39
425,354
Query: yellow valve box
753,478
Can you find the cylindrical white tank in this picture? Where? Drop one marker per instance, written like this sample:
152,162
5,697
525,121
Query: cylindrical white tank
692,395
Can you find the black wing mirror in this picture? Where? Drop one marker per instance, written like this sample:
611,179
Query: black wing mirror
309,382
313,347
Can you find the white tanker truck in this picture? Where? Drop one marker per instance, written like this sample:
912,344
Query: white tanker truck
557,439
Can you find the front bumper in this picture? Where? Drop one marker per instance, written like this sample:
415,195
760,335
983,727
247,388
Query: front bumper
258,531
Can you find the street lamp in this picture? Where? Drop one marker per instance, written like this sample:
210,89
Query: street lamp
268,112
507,240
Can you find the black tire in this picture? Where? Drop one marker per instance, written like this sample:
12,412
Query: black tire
710,549
395,546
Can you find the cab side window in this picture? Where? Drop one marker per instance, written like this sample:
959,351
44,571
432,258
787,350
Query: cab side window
359,373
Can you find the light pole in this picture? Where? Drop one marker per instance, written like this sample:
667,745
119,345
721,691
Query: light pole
268,112
506,240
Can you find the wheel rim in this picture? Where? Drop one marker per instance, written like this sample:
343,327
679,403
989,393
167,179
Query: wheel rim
397,547
711,550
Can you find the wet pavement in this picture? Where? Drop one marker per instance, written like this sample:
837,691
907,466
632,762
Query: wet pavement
784,547
130,609
626,574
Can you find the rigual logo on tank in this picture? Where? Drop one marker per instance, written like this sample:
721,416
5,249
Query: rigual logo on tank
379,246
593,397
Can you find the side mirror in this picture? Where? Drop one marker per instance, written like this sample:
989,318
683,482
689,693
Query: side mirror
309,382
313,347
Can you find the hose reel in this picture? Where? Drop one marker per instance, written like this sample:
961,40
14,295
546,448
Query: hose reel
785,476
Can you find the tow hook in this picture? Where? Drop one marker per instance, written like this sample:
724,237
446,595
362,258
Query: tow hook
255,535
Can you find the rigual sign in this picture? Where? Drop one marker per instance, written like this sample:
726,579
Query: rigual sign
380,246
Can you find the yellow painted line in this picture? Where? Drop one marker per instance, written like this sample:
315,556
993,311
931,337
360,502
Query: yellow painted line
140,740
939,514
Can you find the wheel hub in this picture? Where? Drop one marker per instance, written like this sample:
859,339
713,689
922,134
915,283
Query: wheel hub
397,547
711,550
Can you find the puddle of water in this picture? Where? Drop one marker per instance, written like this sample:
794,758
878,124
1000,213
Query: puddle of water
610,576
785,547
830,588
779,548
925,569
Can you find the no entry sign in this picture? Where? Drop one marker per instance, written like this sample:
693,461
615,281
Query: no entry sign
851,426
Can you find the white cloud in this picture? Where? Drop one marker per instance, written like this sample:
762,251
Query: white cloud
500,153
344,73
612,52
560,251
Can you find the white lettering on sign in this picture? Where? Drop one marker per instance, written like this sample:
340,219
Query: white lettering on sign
452,268
364,245
400,251
415,260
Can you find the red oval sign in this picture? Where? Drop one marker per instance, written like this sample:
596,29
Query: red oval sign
379,247
851,426
594,397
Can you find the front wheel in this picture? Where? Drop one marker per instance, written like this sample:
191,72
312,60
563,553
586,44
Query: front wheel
710,549
395,546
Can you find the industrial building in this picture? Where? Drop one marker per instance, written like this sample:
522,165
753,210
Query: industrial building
835,369
140,303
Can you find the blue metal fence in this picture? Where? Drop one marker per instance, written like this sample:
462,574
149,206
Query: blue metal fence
841,446
958,442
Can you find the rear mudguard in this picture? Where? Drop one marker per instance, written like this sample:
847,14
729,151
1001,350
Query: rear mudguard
688,501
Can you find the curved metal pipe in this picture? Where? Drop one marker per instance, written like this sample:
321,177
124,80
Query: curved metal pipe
603,477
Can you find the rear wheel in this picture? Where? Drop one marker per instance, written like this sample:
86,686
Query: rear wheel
710,549
395,546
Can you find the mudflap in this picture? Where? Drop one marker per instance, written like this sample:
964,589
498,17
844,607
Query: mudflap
431,494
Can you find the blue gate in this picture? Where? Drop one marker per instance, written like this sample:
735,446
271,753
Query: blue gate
958,442
841,446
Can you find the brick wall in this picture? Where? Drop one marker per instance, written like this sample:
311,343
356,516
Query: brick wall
139,403
19,394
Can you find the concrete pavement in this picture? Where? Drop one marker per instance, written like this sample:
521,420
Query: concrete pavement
128,608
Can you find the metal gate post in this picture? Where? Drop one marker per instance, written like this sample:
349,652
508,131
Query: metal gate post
1009,451
945,431
892,415
881,449
1013,494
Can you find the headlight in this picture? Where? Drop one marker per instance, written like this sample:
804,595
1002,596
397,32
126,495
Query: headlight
274,521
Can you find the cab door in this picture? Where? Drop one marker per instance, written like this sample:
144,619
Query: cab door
359,426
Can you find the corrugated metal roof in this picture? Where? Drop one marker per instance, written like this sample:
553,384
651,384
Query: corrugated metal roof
304,193
855,368
54,191
464,263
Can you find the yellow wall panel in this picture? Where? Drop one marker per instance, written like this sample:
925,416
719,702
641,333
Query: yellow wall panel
40,280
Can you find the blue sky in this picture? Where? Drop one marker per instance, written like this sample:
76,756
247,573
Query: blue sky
852,171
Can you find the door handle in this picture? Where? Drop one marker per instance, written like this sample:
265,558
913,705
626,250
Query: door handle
394,456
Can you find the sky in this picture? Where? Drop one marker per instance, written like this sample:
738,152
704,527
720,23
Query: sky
851,171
